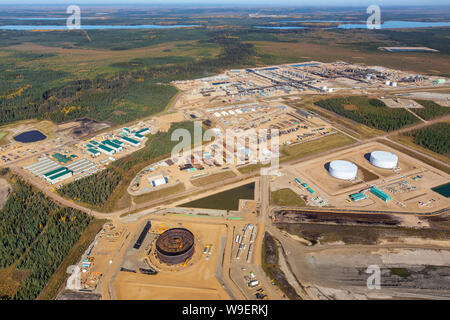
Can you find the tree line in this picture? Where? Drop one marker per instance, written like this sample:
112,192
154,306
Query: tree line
435,137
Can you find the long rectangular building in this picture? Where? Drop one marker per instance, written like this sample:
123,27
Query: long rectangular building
105,149
380,194
131,141
58,175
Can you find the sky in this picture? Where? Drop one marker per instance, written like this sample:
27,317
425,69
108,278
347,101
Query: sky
306,3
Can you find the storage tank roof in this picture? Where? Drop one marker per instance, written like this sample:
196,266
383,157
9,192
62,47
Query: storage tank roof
383,159
343,165
342,169
384,156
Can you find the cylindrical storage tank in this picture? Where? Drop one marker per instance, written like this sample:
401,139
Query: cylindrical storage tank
383,159
342,169
175,246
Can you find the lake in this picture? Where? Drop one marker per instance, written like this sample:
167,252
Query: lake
397,25
280,28
94,27
226,200
386,25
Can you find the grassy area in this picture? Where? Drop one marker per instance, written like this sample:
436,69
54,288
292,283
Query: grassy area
286,197
252,167
165,192
302,150
3,135
60,276
200,182
10,280
401,272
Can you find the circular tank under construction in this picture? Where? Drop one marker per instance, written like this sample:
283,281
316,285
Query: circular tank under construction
175,245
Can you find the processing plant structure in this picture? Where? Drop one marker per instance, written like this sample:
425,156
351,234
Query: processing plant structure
175,246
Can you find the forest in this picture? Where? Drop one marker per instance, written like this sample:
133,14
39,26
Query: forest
35,235
94,189
370,112
430,110
435,137
128,94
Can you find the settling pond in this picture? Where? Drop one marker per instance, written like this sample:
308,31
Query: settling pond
443,190
30,136
226,200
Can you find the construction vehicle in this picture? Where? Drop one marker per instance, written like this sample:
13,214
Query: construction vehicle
185,262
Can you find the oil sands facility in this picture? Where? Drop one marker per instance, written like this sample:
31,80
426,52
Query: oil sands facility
175,246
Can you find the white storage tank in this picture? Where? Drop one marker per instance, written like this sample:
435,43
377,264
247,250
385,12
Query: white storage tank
344,170
383,159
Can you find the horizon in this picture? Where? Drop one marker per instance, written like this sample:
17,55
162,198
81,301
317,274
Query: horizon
231,3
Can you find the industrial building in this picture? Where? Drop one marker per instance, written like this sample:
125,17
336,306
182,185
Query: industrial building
42,166
344,170
81,166
110,144
383,159
160,181
143,131
93,152
58,175
105,149
131,141
53,172
355,197
380,194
